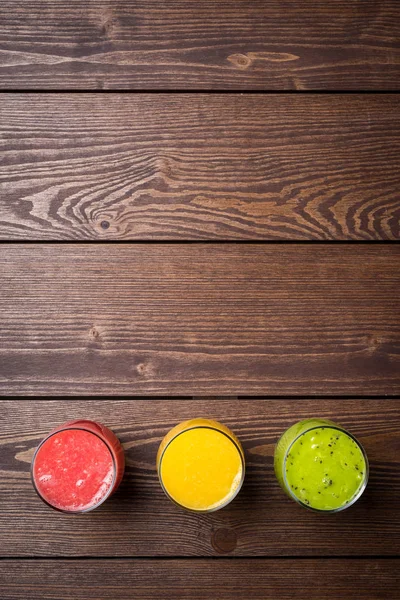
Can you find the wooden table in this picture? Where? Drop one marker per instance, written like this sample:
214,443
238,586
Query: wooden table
178,251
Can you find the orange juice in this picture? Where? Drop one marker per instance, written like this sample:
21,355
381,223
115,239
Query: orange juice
200,464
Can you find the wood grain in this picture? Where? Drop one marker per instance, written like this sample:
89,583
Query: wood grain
140,521
184,319
240,44
334,579
199,167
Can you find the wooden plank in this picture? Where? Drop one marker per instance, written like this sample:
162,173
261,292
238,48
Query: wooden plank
184,319
333,579
140,521
193,167
212,44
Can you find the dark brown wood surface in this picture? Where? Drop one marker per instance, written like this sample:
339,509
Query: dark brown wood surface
208,44
140,521
145,334
184,319
333,579
190,167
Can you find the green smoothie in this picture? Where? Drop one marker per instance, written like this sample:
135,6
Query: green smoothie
320,465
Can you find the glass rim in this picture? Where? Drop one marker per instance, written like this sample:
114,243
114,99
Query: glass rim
90,508
215,508
360,490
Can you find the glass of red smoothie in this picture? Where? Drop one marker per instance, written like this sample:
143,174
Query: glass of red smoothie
78,466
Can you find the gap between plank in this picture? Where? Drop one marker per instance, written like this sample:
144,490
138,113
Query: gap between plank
198,558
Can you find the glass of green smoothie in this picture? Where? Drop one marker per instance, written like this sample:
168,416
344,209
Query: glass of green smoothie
321,465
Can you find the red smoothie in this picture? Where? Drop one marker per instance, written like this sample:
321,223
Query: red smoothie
78,466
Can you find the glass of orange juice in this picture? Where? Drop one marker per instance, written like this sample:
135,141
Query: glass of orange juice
201,466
